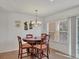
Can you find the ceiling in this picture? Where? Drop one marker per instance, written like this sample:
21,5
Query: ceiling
44,7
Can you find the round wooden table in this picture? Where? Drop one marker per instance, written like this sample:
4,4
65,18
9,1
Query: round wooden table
32,42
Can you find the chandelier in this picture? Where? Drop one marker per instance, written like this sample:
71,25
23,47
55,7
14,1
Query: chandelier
36,22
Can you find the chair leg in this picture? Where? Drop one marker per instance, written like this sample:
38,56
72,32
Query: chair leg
18,54
47,54
21,54
28,50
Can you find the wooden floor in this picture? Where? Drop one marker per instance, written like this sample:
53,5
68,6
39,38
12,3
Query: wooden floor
13,55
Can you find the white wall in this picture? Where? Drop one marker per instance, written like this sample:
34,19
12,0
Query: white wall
9,31
44,27
3,29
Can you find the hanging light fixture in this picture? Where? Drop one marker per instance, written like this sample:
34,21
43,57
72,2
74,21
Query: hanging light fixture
36,23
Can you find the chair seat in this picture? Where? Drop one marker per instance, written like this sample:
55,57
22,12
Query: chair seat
26,45
39,46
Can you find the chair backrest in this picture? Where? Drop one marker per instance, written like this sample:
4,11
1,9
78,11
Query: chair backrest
45,40
19,41
29,35
44,36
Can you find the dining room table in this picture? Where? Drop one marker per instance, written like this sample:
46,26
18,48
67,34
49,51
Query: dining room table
32,41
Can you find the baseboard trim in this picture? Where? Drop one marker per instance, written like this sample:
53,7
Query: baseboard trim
62,53
8,50
59,51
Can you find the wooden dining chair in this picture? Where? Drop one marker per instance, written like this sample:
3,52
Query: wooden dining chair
25,46
43,34
43,47
29,35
